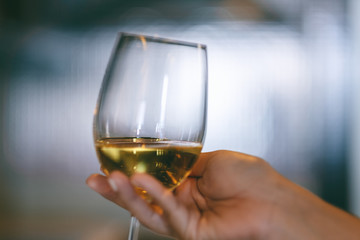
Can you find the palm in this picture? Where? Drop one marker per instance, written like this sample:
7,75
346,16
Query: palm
213,203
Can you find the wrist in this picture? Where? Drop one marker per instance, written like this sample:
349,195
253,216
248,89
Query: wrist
302,215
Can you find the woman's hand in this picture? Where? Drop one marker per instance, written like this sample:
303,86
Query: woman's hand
228,195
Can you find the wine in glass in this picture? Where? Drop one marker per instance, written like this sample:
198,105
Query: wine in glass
151,111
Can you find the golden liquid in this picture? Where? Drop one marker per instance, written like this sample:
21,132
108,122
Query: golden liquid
168,161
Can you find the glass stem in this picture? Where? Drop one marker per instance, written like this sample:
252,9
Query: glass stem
134,228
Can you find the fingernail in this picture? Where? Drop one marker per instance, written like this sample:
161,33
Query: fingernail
90,182
91,185
113,185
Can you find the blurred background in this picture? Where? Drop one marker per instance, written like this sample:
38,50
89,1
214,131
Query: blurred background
283,85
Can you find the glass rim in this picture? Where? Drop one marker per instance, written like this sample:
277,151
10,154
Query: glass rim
155,38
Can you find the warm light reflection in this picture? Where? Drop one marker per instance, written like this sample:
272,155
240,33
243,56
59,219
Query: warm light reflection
140,167
143,41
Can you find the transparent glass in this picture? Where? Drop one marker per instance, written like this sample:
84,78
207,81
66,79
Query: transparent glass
151,111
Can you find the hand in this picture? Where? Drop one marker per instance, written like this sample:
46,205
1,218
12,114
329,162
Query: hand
228,195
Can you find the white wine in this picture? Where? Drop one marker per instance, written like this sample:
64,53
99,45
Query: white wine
168,161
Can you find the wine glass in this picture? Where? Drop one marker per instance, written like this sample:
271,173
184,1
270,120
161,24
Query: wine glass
151,111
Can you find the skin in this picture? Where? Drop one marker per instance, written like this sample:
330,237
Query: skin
229,195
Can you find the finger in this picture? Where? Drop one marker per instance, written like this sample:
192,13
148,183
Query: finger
135,204
119,190
101,185
174,214
112,188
